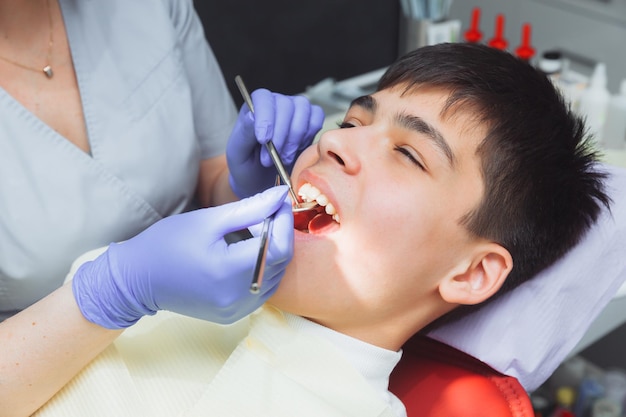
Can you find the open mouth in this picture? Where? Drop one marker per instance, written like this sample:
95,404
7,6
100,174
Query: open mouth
321,218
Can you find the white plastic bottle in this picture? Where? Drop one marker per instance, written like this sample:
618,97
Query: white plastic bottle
594,102
614,134
551,64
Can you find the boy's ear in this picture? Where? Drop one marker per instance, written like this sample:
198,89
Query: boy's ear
480,278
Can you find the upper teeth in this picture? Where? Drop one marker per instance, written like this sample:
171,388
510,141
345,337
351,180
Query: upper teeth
310,193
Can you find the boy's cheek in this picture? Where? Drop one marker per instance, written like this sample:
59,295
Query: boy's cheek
306,158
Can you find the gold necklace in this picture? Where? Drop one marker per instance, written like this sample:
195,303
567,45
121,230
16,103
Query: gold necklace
47,69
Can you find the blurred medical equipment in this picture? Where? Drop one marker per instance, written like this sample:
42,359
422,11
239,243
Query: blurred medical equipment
425,22
614,133
434,10
594,101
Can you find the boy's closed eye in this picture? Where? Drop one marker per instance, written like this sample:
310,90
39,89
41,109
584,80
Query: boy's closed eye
408,152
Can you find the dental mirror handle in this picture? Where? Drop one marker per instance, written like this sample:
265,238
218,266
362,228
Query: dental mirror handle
284,176
259,268
271,149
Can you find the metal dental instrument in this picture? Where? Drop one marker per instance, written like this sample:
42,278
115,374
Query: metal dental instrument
259,268
305,206
269,221
278,163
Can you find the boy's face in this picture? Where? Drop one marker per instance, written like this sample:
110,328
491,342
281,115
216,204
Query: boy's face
400,179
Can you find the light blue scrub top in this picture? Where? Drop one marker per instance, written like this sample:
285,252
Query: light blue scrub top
155,104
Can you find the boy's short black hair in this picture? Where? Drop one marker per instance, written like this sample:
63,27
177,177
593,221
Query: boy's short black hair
543,185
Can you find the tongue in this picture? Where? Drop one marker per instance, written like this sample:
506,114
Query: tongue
311,220
319,222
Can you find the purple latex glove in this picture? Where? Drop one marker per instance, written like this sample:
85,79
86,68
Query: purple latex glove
183,264
291,122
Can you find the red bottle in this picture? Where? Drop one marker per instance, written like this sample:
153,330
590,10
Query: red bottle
473,34
525,51
498,41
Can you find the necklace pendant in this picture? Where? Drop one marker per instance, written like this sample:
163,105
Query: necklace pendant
47,70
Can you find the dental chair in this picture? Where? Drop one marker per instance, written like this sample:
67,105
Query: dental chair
484,364
437,380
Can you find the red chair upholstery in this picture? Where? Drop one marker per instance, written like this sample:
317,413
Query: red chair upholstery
436,380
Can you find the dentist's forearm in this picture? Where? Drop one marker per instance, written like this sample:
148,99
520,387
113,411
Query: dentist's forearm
42,348
213,185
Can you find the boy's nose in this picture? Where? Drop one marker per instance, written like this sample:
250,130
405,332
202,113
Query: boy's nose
339,147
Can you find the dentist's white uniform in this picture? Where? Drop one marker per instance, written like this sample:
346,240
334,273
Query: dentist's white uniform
155,104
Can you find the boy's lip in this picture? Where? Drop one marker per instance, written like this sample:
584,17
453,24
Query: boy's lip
307,176
318,182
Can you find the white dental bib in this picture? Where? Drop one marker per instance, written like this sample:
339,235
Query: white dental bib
170,365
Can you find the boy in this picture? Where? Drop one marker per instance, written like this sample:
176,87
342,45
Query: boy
463,176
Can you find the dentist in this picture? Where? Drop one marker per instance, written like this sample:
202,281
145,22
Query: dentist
126,129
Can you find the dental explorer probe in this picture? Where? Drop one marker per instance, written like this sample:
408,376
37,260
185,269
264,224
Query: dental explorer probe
278,163
259,268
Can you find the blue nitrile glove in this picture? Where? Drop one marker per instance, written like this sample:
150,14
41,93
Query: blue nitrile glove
183,264
291,122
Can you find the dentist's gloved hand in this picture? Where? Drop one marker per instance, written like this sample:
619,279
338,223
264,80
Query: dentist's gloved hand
183,264
291,122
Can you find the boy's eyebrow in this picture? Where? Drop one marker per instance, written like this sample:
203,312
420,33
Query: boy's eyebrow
419,125
366,102
411,122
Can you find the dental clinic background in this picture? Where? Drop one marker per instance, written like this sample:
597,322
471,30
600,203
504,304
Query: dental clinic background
308,41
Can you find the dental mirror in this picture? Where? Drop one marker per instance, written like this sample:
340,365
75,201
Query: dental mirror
278,163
